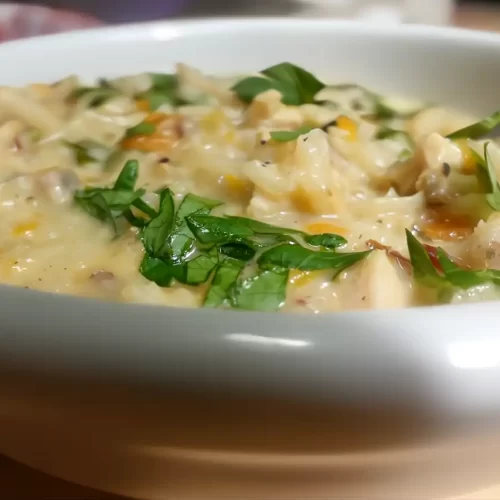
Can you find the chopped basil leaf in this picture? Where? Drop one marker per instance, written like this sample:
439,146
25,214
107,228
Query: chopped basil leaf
158,99
478,129
327,240
451,276
216,230
465,278
290,135
164,81
197,271
261,227
158,229
264,292
110,204
107,204
239,251
182,240
384,133
157,270
225,277
296,257
128,176
95,96
296,85
141,129
144,207
82,155
164,90
424,270
487,174
249,88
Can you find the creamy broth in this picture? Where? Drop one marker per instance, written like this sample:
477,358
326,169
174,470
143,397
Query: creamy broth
338,161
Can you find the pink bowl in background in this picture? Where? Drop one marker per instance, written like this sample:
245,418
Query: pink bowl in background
22,21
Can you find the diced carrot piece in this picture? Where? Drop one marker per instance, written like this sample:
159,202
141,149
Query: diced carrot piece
325,227
349,125
142,105
167,133
149,143
448,226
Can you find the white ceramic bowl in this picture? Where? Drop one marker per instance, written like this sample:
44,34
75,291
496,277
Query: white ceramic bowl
169,403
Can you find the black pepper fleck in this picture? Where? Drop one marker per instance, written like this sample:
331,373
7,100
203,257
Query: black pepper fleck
305,139
164,160
364,297
446,169
380,221
39,279
263,141
356,105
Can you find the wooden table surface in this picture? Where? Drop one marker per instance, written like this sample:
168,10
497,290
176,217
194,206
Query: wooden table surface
18,482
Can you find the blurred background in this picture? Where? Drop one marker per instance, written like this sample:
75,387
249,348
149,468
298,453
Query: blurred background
420,11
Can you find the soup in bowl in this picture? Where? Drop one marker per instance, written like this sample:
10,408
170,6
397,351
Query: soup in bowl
269,192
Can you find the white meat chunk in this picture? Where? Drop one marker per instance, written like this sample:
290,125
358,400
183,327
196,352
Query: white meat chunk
378,283
431,170
482,248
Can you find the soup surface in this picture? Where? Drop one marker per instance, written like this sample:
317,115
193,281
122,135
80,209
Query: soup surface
269,192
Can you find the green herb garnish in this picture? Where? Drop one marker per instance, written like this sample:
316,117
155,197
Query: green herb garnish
450,275
198,270
264,292
327,240
141,129
424,270
95,96
290,135
190,246
182,240
478,129
82,154
296,85
158,229
157,270
290,256
224,279
164,90
488,176
113,204
384,133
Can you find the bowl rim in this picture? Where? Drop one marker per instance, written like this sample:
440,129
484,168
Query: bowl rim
174,28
